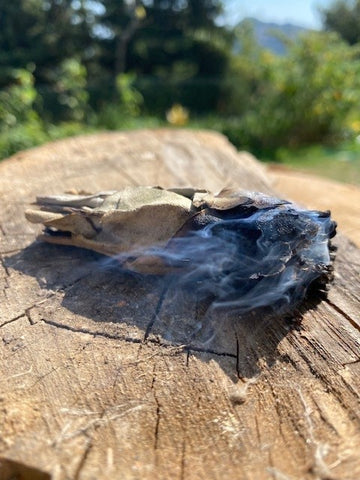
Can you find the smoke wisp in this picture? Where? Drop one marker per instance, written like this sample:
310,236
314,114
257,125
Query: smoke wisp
243,250
248,258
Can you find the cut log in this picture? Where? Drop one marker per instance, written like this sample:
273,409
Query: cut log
107,374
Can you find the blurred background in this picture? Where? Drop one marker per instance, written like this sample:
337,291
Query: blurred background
280,79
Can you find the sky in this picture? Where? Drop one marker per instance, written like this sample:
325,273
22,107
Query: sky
299,12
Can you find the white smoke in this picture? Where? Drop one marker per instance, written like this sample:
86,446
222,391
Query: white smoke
249,258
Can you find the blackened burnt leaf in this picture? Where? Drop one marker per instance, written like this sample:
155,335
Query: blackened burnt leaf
246,249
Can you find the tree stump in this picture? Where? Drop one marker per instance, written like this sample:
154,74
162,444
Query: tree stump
108,374
343,201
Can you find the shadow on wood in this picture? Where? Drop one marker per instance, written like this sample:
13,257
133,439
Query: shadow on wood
116,303
11,470
102,378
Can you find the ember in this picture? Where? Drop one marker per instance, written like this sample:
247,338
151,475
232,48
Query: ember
245,249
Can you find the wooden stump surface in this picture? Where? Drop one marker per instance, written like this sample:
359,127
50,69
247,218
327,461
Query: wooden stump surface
109,375
321,193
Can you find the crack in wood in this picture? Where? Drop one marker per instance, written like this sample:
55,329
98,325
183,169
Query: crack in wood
187,357
2,231
351,363
157,310
4,265
158,413
210,351
84,456
41,377
27,310
323,416
345,289
136,340
6,278
12,320
340,338
330,386
28,315
257,429
92,333
286,358
343,314
238,357
156,432
322,353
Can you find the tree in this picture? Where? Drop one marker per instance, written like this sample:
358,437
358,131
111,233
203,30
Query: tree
170,45
309,95
20,32
40,32
178,52
343,17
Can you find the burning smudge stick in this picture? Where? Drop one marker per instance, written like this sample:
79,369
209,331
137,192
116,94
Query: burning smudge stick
245,249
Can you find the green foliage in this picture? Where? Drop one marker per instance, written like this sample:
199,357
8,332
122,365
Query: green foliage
66,129
304,97
20,125
160,39
21,137
341,162
74,65
343,17
173,52
16,101
69,81
125,106
130,99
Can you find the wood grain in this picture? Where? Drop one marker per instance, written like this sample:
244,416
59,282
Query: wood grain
107,374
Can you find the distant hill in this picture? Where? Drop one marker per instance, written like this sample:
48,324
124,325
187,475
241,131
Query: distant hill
266,34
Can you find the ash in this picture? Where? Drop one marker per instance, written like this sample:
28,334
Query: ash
248,258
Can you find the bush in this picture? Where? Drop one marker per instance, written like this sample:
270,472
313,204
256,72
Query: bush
66,97
304,97
124,108
20,125
20,137
17,100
